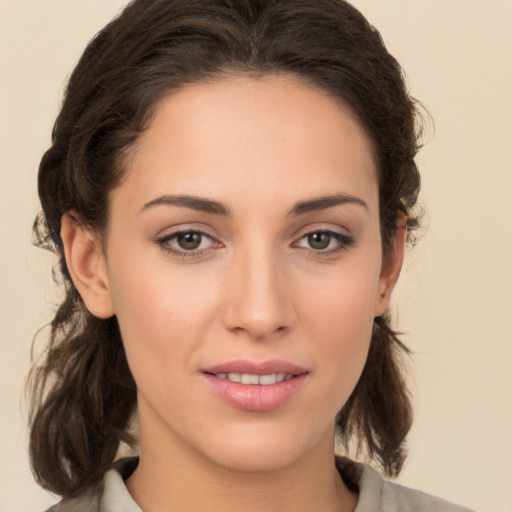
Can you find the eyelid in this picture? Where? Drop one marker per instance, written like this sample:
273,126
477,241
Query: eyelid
345,241
163,242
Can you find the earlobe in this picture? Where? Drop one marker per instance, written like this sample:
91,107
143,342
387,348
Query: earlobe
87,266
391,267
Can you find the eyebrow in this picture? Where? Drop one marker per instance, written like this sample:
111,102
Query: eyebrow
193,202
325,202
217,208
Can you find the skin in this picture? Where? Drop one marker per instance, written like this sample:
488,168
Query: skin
256,288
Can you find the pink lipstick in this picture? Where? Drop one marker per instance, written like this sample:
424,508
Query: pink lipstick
255,386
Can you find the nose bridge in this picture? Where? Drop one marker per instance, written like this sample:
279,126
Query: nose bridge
260,304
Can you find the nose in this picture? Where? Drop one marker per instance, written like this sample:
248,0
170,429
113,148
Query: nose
260,303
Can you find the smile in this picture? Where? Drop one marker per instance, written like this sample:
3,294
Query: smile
255,386
255,380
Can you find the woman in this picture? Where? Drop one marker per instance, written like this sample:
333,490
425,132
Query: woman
229,190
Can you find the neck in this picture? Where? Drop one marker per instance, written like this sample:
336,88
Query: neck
171,476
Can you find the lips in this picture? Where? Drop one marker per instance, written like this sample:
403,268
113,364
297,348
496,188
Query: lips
255,386
253,379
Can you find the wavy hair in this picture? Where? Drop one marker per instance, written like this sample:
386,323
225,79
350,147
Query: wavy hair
82,391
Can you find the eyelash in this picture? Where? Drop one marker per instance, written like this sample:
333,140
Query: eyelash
183,253
344,243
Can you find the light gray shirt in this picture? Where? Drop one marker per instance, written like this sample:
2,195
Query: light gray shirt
375,493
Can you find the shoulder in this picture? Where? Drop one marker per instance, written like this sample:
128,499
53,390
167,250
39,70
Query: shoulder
111,496
376,493
87,502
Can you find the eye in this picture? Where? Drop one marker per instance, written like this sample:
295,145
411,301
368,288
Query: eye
186,243
319,241
325,241
189,241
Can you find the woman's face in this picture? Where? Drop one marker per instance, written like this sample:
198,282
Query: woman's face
244,244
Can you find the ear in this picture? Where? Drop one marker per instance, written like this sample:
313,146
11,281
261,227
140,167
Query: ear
87,266
391,267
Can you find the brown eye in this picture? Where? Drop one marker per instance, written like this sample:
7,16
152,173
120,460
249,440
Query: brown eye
188,244
319,240
189,241
325,243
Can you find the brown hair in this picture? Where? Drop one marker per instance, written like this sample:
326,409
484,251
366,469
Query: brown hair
83,393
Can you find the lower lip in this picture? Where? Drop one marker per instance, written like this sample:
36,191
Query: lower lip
252,397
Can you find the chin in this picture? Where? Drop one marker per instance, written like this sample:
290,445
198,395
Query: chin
266,449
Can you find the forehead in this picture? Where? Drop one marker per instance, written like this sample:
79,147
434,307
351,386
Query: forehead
242,135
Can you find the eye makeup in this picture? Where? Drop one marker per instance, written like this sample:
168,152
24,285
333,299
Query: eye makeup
324,243
187,243
194,243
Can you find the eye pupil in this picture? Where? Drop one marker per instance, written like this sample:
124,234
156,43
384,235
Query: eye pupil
319,240
189,241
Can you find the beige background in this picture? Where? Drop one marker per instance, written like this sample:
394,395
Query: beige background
454,297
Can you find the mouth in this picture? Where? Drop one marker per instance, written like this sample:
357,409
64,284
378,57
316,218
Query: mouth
253,379
255,386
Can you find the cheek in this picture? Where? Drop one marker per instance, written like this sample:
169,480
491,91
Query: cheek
342,298
162,311
342,330
339,318
159,328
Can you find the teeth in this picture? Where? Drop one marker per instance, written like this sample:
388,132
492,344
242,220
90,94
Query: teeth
266,380
248,378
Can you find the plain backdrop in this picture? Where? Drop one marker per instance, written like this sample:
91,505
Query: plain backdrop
454,299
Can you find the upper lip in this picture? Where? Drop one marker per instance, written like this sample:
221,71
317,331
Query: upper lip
256,367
